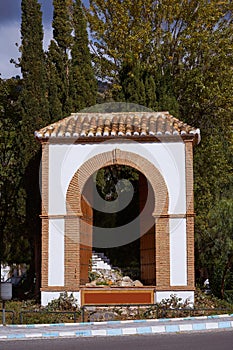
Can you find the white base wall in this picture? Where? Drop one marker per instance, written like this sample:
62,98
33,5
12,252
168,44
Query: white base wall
184,295
46,297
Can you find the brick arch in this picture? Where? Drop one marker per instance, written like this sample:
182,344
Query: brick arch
114,157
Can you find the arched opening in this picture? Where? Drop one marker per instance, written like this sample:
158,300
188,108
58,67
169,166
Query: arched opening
119,186
118,201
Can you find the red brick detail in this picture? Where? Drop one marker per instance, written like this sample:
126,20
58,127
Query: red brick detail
72,252
190,213
162,243
86,230
45,253
44,212
44,179
117,157
78,244
147,240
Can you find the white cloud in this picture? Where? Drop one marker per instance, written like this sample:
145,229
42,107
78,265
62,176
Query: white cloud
48,34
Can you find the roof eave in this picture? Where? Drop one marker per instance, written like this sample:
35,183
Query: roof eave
141,139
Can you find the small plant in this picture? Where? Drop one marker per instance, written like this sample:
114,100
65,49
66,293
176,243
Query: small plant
92,275
65,302
102,283
174,303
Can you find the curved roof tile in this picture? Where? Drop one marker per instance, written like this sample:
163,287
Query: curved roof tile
129,124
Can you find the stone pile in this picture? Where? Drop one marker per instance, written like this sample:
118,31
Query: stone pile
112,278
102,275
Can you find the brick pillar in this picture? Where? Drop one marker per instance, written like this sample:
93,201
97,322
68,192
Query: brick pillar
189,213
44,214
147,240
45,253
86,224
72,252
162,253
78,235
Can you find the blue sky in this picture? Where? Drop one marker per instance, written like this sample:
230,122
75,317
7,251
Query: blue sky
10,22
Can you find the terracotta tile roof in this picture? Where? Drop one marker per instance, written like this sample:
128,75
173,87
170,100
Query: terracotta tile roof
129,124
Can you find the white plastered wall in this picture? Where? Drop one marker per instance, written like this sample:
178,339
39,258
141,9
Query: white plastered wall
47,297
168,158
178,252
184,295
56,252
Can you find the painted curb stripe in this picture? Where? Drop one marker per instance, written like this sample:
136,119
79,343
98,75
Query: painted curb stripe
144,330
50,334
83,333
172,328
158,329
34,335
16,336
225,324
128,331
212,325
117,331
199,326
185,327
66,334
124,331
119,322
99,332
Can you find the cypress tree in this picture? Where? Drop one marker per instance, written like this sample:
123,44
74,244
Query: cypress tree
32,63
55,86
131,80
150,90
35,114
58,59
62,27
83,86
12,208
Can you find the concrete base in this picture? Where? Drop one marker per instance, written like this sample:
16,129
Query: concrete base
47,297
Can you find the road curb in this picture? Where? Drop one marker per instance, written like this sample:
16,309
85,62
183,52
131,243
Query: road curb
219,322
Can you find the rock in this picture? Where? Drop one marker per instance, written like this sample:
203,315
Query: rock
102,316
91,284
127,279
124,312
137,283
125,284
111,277
97,316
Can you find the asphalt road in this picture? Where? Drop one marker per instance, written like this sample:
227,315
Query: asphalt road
217,340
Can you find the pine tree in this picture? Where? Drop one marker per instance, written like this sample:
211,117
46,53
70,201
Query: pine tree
83,85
